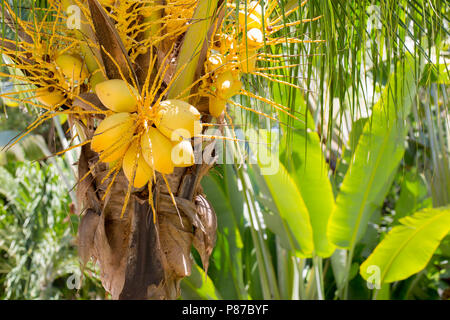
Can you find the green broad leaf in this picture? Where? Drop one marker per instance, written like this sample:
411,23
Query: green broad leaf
270,213
338,260
413,196
383,293
309,170
348,151
286,196
408,248
438,73
376,158
304,160
292,209
198,286
229,246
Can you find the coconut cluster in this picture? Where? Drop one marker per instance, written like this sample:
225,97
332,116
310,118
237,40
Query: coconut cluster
144,140
232,54
143,136
67,71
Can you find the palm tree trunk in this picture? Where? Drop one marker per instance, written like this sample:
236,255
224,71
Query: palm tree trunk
141,256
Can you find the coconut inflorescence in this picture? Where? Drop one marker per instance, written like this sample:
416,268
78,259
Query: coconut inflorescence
63,74
145,139
232,54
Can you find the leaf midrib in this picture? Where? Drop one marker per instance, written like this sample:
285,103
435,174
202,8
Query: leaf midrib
366,193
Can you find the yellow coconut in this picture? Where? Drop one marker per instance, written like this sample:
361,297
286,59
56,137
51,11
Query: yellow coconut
72,67
177,119
157,151
216,106
214,61
113,136
183,154
228,84
135,167
255,38
117,95
252,19
50,96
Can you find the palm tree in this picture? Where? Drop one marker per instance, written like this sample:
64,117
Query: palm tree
322,66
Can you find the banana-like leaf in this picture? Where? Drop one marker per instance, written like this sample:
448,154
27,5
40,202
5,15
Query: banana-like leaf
287,198
413,196
376,158
229,281
301,152
198,286
407,248
310,173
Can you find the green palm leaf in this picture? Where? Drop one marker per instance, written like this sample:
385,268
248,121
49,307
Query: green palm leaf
199,286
